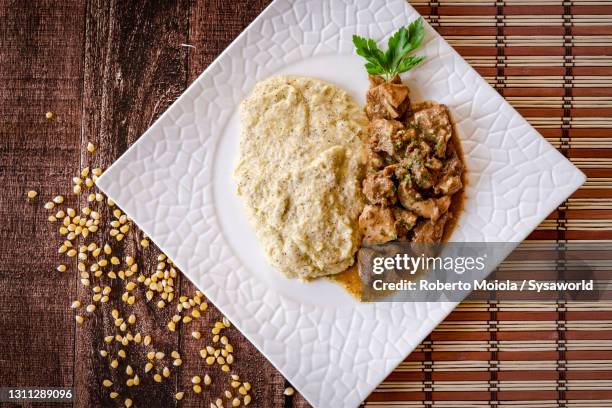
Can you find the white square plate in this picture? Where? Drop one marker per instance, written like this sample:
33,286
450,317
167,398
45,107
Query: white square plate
176,184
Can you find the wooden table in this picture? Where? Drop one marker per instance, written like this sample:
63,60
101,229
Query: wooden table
107,70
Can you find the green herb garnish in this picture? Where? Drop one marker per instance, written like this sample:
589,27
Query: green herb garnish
415,126
396,60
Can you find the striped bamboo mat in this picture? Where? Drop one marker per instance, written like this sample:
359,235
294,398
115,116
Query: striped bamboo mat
552,60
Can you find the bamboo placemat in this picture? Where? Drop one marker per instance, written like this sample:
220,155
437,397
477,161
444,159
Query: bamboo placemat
552,60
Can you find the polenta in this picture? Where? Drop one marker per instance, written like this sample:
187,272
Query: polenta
302,159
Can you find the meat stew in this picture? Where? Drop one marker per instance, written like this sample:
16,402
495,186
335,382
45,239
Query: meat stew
415,180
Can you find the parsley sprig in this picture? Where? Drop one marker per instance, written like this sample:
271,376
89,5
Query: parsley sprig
396,59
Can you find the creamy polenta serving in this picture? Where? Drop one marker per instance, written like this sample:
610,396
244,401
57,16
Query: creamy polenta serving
302,160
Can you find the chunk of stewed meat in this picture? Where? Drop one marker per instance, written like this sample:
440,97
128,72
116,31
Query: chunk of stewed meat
443,203
375,80
401,171
434,164
375,161
404,221
423,147
412,200
448,185
430,231
436,126
387,100
387,136
379,187
415,161
377,225
414,167
453,165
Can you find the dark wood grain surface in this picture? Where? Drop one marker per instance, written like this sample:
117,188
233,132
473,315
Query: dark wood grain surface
106,70
41,69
